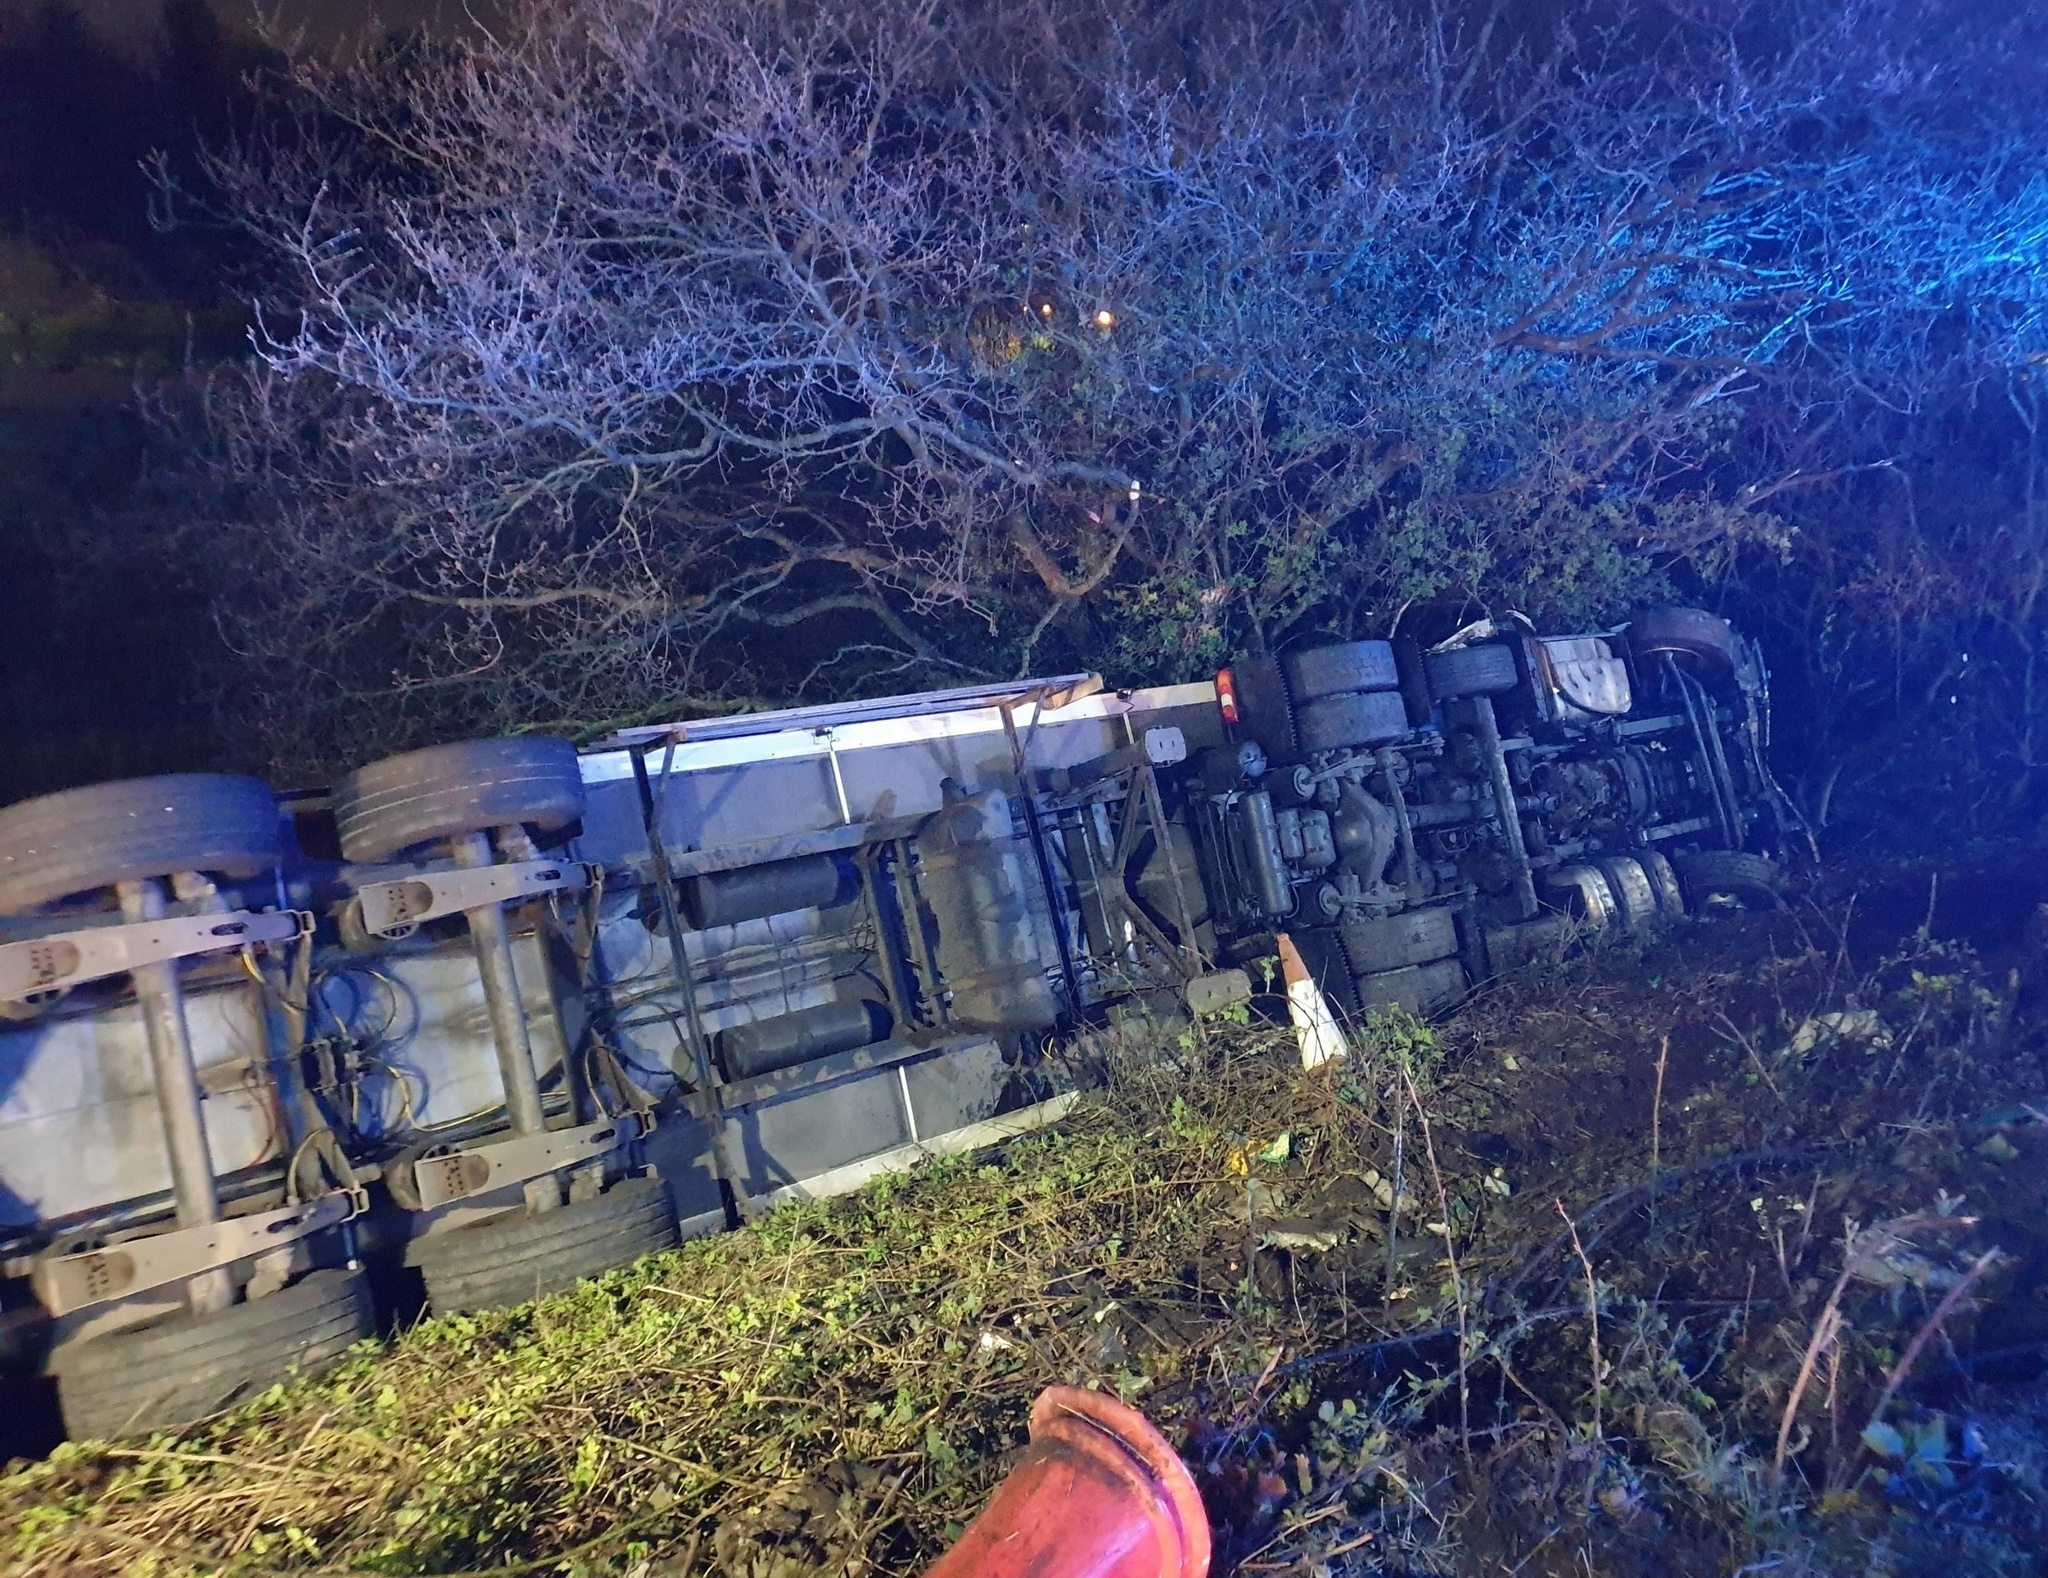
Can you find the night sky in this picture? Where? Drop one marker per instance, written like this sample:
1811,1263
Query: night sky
325,23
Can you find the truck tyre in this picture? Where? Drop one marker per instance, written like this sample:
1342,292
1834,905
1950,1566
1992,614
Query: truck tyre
1414,674
1664,878
447,790
1370,717
183,1368
520,1256
1702,642
1583,892
1419,988
1634,890
1267,716
1333,671
1484,670
1710,874
82,839
1412,937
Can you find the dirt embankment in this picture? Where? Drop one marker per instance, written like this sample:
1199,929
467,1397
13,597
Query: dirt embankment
1720,1253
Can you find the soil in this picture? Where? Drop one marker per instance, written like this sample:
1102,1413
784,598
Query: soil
1873,1056
1776,1147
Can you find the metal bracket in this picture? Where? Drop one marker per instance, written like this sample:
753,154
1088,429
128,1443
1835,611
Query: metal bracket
393,909
71,958
71,1282
442,1179
1141,810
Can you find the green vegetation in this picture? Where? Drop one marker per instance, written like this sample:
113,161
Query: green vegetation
900,1329
1432,1310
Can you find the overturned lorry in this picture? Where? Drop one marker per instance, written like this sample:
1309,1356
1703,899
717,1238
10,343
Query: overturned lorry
488,1017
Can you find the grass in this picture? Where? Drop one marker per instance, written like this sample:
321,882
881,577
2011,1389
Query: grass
1546,1356
903,1329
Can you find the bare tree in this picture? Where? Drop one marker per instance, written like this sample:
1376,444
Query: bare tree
669,351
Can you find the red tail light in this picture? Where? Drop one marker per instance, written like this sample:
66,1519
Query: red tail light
1226,696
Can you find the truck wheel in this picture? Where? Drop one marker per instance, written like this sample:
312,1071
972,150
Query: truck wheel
1332,723
1419,988
1664,878
446,790
1412,937
1583,892
1483,670
1702,642
1711,874
520,1256
82,839
1635,892
188,1366
1333,671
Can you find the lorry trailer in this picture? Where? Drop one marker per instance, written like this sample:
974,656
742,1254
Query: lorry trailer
488,1017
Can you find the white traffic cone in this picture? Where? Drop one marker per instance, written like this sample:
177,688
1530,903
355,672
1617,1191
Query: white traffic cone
1315,1026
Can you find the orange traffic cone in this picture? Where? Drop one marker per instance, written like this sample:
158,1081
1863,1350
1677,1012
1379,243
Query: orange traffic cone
1098,1494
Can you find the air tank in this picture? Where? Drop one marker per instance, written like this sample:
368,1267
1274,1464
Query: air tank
765,1045
724,898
